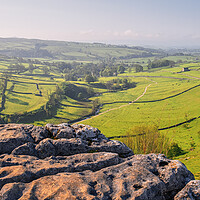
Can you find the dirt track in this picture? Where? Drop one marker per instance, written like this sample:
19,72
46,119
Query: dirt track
145,90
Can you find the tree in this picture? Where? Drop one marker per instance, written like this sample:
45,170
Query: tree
31,68
89,78
80,96
70,77
95,105
20,68
45,70
138,68
160,63
121,69
129,70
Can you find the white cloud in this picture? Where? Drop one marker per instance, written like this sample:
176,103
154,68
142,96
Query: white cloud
123,34
128,33
87,32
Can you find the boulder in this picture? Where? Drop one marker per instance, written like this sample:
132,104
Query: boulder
190,191
57,140
45,148
66,132
39,133
12,136
78,162
91,176
25,149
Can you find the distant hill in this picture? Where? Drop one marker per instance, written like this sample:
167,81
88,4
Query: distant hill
74,51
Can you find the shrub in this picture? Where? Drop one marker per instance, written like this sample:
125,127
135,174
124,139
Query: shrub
174,150
145,139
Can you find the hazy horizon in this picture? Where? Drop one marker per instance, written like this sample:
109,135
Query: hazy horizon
156,23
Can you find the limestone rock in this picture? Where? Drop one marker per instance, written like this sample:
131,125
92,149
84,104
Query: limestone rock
25,149
66,132
79,162
39,133
53,129
91,176
190,191
57,140
12,136
45,148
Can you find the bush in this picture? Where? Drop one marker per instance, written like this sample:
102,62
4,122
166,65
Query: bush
145,139
174,150
160,63
76,92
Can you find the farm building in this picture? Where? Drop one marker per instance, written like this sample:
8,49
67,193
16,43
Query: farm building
185,69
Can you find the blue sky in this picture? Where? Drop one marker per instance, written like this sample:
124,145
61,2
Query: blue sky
135,22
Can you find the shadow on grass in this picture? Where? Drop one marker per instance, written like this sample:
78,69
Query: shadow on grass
66,105
14,81
16,95
61,118
18,101
116,102
21,92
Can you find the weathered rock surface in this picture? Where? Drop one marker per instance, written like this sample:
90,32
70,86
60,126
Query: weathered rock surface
78,162
190,191
55,140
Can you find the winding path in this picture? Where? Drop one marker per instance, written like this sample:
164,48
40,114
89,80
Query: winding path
191,76
145,90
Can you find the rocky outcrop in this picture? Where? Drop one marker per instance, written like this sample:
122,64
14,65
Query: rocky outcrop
190,191
78,162
56,140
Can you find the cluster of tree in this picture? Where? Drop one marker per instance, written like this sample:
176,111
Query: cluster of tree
109,71
32,53
75,70
17,68
54,101
142,55
160,63
70,71
113,70
89,78
76,92
90,71
138,68
20,68
3,87
70,77
119,84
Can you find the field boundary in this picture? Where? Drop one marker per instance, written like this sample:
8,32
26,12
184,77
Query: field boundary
160,129
130,102
170,96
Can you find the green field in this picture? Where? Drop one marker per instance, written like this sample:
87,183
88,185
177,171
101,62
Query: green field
171,98
163,96
167,102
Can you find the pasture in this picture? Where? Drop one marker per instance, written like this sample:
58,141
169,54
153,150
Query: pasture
167,102
163,96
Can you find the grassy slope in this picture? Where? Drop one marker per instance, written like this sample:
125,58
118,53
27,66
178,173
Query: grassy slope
73,51
24,96
163,113
116,122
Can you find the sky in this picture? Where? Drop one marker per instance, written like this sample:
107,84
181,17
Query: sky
131,22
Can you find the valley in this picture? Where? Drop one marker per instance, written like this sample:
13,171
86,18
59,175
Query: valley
112,88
